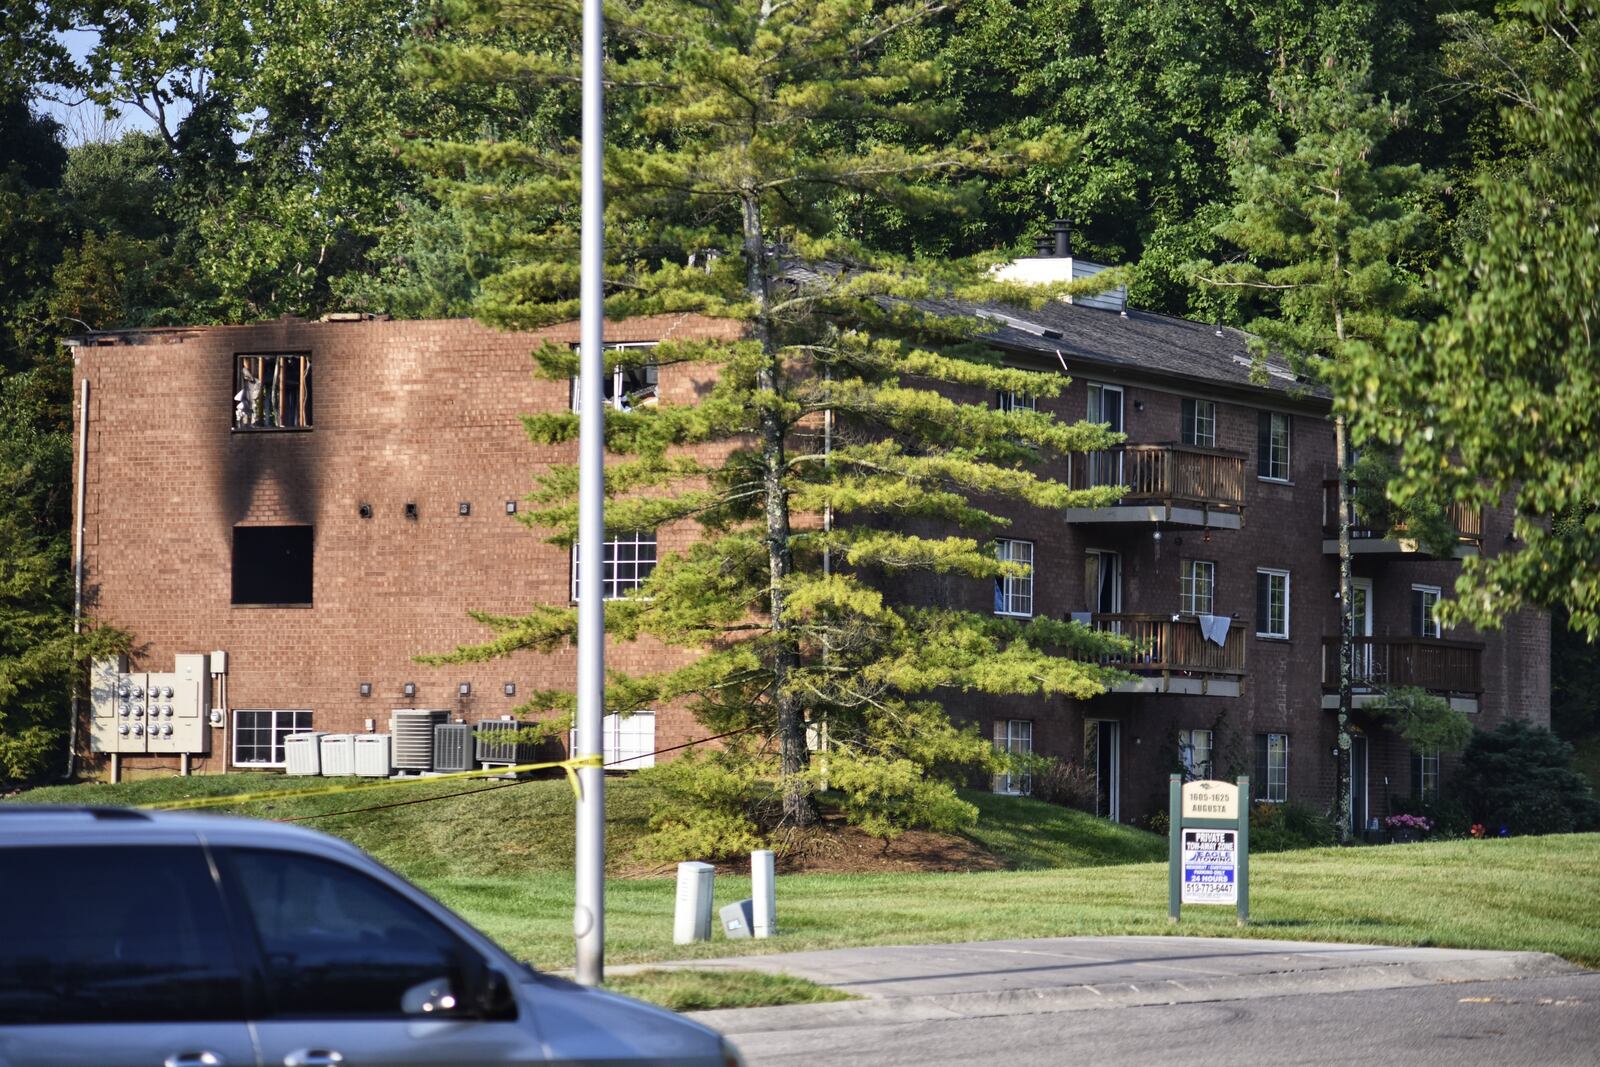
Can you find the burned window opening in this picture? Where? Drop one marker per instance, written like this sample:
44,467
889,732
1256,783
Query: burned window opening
272,392
272,565
626,386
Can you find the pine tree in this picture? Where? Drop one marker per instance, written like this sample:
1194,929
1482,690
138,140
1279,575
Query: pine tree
737,162
1325,228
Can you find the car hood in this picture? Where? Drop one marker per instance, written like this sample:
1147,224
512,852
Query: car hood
584,1023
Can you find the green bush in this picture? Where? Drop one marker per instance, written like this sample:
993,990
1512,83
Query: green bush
710,808
1281,827
1519,777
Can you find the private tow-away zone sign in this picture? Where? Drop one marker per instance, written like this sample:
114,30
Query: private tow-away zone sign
1210,866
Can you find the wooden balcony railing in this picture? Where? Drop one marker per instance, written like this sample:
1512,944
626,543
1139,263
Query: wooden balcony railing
1165,645
1425,662
1465,519
1174,475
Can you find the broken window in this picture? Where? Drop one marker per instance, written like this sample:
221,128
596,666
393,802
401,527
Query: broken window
272,392
627,386
272,565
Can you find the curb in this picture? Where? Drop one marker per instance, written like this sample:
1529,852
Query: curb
1511,966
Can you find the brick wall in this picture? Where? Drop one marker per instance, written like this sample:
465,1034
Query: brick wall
428,413
404,412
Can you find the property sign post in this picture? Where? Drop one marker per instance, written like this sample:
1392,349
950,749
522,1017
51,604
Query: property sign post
1208,851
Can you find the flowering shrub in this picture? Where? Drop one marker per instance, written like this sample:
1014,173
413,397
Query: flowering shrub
1420,823
1477,829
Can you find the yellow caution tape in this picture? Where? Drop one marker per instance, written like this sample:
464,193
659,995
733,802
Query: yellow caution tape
570,766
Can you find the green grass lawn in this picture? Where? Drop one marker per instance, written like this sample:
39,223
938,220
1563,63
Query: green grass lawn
503,860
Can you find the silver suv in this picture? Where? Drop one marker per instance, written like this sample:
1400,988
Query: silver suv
135,939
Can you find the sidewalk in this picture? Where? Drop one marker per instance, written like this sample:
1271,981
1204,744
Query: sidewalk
911,983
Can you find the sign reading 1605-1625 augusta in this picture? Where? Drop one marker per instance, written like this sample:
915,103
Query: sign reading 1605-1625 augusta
1210,847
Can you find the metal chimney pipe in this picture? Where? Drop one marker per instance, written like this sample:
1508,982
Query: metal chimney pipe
1043,244
1063,238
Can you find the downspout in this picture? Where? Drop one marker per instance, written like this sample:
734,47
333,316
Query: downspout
77,565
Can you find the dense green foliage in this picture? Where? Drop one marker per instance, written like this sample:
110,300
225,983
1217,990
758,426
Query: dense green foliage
723,182
1520,778
294,161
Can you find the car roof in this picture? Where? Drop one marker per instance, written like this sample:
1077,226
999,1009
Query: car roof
67,824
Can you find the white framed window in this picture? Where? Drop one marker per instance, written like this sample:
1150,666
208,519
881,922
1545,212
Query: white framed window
1272,602
1013,736
258,735
1105,405
1272,446
1197,583
628,562
1013,593
1272,768
1425,773
1194,749
1199,422
628,742
1424,609
626,387
1007,400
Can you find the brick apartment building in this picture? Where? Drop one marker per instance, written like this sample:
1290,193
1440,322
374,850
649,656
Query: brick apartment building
322,501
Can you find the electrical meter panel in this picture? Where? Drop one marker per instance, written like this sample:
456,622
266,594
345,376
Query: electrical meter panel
157,713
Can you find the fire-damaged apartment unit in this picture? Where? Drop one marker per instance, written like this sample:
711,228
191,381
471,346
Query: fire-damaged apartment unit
283,515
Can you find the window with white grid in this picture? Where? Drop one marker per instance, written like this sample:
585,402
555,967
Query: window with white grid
258,736
626,386
1013,594
629,559
1012,401
1272,602
1272,768
1200,423
1197,581
628,741
1425,769
1013,736
1194,748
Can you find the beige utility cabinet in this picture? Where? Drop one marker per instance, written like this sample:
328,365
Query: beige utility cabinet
159,712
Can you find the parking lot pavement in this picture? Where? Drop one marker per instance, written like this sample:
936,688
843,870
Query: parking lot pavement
911,983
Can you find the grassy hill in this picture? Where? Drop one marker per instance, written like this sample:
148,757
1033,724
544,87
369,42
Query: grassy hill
494,831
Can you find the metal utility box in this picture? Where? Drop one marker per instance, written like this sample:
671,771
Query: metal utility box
413,737
372,755
150,713
692,914
738,919
104,675
179,705
302,753
338,755
490,750
452,747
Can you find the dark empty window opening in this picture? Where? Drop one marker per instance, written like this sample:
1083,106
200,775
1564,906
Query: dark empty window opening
272,565
272,392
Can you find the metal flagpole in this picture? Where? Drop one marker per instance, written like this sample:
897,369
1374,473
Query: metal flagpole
588,918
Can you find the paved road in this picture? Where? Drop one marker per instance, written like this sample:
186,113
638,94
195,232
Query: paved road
1135,1001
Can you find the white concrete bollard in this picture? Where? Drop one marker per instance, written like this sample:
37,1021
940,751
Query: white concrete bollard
763,872
691,920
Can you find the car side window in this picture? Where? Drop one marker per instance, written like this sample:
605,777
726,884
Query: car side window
114,934
338,943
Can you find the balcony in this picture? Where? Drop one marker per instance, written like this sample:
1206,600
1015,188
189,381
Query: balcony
1453,669
1180,484
1386,539
1174,656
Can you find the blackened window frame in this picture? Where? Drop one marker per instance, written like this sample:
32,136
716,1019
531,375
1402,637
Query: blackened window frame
307,409
310,564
